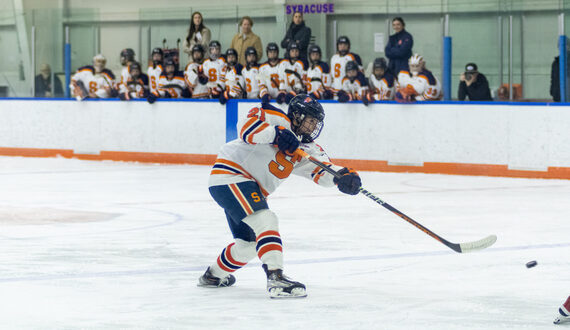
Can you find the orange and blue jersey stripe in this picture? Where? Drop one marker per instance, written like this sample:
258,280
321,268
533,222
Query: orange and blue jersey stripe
268,241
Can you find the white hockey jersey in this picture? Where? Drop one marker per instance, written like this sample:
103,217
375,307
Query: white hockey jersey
134,88
235,82
356,88
216,73
99,84
318,78
425,85
191,76
253,157
338,68
269,79
125,75
292,75
383,88
251,77
153,73
175,87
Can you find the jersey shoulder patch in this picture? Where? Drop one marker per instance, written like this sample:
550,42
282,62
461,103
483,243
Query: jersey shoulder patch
389,78
324,67
109,73
87,68
429,76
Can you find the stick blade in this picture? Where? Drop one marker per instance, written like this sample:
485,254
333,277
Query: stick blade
477,245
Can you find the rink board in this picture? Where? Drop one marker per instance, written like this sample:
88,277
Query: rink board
518,140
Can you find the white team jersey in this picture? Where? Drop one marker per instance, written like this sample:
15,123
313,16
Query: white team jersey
153,76
356,88
338,68
292,75
125,75
97,83
135,88
318,78
251,77
235,82
269,79
383,88
425,84
191,74
174,87
252,157
216,73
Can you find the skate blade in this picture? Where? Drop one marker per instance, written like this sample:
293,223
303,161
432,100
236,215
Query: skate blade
295,293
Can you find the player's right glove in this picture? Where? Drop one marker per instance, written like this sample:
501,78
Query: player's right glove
281,97
265,98
349,182
343,96
151,98
224,97
289,97
285,140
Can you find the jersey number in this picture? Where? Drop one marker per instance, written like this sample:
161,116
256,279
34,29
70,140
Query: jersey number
274,79
337,70
92,87
212,75
153,83
282,167
248,85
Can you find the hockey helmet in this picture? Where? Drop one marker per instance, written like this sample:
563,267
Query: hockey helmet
272,47
231,52
215,44
250,51
416,59
314,49
135,69
379,63
168,63
300,107
351,65
215,49
127,55
157,51
198,49
99,62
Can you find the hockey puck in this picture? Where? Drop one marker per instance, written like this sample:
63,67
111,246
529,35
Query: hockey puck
531,264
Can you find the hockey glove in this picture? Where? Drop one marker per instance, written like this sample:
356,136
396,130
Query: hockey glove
289,97
365,99
328,94
265,98
224,97
349,183
343,96
285,140
151,98
281,97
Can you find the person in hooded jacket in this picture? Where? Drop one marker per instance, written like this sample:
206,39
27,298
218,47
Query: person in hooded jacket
298,32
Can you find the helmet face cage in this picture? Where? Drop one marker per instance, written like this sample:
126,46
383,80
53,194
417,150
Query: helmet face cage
416,63
214,47
301,107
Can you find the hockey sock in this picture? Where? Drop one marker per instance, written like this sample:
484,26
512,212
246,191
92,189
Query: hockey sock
233,257
270,249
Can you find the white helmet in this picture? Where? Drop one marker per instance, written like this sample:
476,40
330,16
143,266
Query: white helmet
99,62
416,59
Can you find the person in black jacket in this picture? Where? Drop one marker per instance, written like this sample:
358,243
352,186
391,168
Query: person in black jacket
473,85
555,77
299,33
399,47
43,83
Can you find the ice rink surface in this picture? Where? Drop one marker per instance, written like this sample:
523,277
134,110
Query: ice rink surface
109,245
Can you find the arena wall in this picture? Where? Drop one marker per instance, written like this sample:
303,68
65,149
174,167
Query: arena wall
494,139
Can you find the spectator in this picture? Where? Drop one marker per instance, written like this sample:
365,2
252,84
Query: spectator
299,33
473,85
198,33
555,77
43,83
399,47
246,38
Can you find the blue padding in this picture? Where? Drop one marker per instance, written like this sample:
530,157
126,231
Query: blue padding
447,68
231,119
67,68
562,66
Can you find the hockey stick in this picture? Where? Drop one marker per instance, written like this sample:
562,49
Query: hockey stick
459,248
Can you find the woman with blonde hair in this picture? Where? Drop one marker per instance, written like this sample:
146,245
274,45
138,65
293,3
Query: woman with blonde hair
198,33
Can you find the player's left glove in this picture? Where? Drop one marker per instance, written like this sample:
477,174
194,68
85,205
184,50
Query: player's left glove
224,97
289,97
349,182
151,98
285,140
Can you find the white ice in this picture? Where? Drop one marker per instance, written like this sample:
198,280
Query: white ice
109,245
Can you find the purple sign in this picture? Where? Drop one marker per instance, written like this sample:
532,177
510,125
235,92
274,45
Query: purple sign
315,8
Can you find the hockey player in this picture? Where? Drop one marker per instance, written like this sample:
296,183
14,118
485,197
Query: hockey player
137,84
194,74
215,69
269,74
251,73
339,60
171,83
251,167
318,75
93,81
127,56
354,85
419,84
381,82
292,74
235,84
155,69
564,313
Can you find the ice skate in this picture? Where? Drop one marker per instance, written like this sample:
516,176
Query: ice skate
280,286
561,318
210,281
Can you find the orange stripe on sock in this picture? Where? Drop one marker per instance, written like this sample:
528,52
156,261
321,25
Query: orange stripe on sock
268,248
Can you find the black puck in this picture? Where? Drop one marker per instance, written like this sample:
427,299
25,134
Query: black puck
531,264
